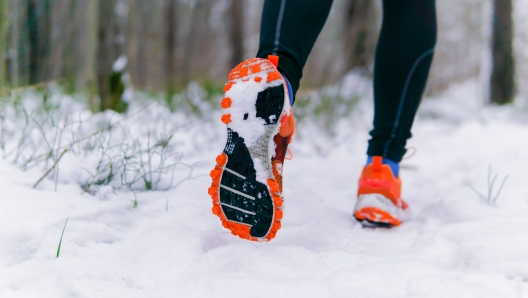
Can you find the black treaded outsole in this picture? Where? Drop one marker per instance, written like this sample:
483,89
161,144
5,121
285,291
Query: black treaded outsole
373,225
239,161
269,106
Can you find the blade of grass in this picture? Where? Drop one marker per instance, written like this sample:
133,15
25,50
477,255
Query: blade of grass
60,242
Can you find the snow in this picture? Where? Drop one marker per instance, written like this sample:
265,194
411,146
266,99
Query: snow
244,96
120,64
456,245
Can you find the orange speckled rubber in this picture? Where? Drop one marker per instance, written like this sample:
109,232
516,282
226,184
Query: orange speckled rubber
374,214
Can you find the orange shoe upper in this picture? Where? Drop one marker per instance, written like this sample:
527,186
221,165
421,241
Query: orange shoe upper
282,140
284,137
377,178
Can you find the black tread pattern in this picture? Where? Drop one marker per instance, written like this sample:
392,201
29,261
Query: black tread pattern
269,107
270,103
239,160
373,225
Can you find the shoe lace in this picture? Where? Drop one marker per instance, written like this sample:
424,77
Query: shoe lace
291,155
408,155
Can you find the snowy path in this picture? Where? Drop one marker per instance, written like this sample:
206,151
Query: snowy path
456,245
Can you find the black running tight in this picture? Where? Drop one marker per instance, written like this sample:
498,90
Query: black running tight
403,58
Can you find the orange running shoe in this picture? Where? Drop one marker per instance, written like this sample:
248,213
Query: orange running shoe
379,203
247,179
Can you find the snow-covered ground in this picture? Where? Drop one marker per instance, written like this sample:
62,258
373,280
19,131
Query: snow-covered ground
171,245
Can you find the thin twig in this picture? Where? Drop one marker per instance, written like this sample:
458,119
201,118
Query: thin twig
489,181
50,169
477,192
34,86
110,126
490,187
490,199
500,189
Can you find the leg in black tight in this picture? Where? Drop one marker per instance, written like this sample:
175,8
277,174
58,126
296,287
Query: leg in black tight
289,29
403,58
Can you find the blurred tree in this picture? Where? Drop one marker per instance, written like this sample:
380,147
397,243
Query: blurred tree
144,34
4,28
503,72
170,49
88,49
356,28
236,14
39,34
347,42
169,43
109,82
64,56
69,68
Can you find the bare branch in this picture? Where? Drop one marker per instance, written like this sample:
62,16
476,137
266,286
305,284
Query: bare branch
477,192
51,169
500,189
491,183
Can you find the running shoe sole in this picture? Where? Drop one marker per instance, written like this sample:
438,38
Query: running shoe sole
246,197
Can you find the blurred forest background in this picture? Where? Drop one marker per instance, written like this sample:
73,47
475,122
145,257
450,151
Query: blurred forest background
159,46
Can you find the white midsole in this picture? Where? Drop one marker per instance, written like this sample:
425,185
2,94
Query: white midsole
382,203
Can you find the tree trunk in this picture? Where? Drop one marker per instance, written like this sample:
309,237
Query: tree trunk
89,66
170,48
109,83
39,27
236,14
503,72
4,27
69,68
142,63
